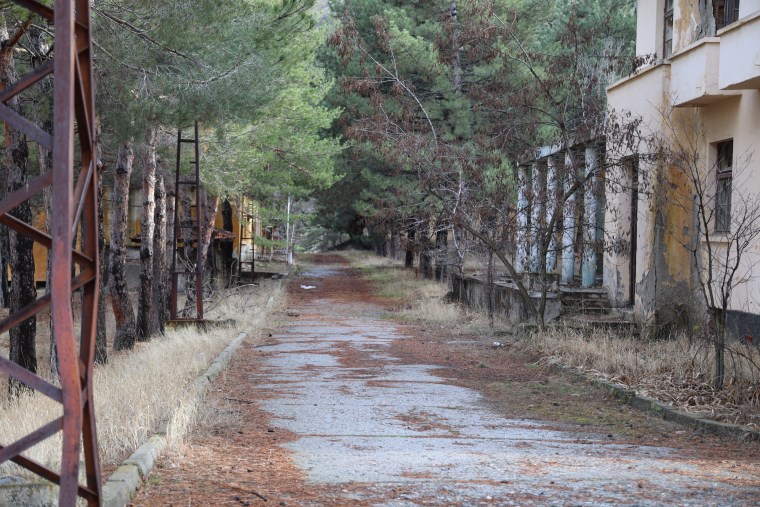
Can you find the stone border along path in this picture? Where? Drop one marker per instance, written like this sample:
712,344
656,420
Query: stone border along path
126,480
661,409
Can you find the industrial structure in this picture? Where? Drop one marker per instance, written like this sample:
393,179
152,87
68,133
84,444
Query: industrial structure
74,201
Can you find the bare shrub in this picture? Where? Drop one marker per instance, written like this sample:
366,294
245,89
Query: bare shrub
678,370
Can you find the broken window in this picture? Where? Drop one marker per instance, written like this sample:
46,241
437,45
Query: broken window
726,12
724,165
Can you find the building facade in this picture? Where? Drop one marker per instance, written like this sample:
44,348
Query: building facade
688,218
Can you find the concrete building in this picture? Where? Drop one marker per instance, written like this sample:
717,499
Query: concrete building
698,97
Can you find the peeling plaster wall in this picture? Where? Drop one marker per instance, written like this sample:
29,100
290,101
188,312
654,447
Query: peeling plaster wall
693,20
665,282
644,96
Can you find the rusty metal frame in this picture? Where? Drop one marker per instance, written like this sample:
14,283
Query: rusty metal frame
195,224
74,202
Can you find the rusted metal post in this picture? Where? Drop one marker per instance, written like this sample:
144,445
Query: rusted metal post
74,202
196,224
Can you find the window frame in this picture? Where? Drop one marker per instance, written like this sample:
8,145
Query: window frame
667,25
725,12
724,151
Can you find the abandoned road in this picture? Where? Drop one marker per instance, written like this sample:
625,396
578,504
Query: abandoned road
329,410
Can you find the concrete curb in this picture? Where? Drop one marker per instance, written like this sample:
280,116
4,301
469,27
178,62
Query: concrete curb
662,409
127,479
122,485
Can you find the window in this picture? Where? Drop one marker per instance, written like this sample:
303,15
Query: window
724,165
726,12
667,39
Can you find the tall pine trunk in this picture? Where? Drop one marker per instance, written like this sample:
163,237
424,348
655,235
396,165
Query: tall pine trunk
170,242
145,302
441,254
426,250
120,299
101,336
410,239
45,160
160,310
23,291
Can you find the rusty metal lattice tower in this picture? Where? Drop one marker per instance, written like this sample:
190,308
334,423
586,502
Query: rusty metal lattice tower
74,201
194,224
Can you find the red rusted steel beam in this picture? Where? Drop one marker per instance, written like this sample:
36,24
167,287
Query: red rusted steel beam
16,198
38,8
52,476
31,439
32,380
26,81
60,279
39,236
31,130
197,226
73,103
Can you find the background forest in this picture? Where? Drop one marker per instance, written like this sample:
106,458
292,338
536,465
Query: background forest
377,117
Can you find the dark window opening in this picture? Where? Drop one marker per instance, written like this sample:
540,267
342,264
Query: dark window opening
724,166
667,39
726,12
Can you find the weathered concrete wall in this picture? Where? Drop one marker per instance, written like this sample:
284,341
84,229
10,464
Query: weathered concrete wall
665,279
643,95
15,491
508,302
649,28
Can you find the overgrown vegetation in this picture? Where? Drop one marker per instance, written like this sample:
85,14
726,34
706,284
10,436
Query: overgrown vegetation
677,370
415,299
141,390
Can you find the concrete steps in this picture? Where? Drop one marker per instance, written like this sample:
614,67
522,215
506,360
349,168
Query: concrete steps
591,301
587,308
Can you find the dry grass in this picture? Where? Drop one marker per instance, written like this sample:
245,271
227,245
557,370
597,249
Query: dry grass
420,299
678,370
142,390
